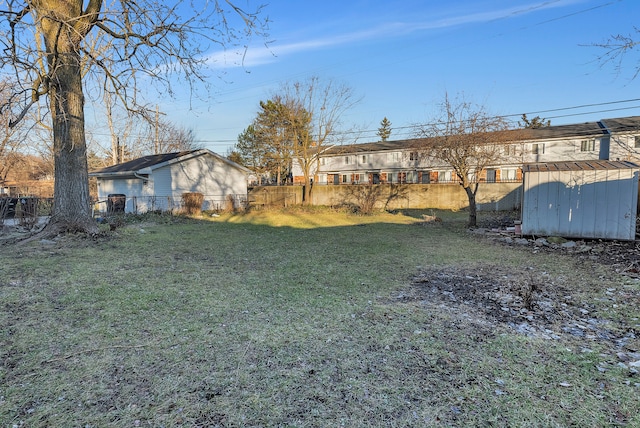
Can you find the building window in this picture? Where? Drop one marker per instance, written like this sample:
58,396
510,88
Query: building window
346,160
537,149
345,178
394,157
364,158
323,161
587,145
413,156
444,176
508,174
509,150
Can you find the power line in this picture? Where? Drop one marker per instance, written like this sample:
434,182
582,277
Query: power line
417,126
412,128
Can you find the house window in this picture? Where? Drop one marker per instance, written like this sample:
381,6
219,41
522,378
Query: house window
394,157
444,176
413,156
509,150
508,174
345,178
537,149
637,141
346,160
323,161
364,158
587,145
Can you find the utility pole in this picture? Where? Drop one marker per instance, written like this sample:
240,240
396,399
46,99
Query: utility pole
157,140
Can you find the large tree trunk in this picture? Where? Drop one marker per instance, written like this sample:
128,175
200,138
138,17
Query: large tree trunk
64,25
72,203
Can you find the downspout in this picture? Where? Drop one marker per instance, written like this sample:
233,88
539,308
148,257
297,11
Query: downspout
136,175
605,142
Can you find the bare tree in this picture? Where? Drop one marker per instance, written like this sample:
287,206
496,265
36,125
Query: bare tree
10,140
468,139
617,48
55,47
165,136
120,126
321,105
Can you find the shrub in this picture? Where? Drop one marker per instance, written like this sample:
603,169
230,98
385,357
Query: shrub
192,203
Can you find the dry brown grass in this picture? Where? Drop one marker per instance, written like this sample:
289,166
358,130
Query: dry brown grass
192,203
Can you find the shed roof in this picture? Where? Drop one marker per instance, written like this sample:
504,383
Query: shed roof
579,166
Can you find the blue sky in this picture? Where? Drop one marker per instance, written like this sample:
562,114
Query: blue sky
401,57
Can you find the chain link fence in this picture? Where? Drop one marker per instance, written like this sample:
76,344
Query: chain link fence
24,211
120,204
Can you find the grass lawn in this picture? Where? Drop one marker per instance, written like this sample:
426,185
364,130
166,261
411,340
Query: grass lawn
309,319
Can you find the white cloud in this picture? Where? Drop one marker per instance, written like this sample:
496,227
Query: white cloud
257,55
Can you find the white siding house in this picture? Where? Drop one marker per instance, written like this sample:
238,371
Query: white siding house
404,161
157,182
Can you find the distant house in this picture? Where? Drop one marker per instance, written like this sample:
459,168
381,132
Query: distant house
401,161
157,182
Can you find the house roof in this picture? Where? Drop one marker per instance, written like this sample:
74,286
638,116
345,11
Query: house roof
136,165
623,124
372,147
146,164
585,130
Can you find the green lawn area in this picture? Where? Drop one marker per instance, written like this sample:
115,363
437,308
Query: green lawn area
302,319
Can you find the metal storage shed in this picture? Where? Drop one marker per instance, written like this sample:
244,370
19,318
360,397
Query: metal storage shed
588,199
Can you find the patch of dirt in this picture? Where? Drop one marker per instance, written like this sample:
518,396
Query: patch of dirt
622,256
529,302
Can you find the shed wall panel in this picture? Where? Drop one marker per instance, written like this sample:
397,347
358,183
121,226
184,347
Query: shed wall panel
581,203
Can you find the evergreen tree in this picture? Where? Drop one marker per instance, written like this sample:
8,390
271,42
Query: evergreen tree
385,129
536,122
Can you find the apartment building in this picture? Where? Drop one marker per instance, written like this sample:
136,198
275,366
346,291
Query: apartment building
406,161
